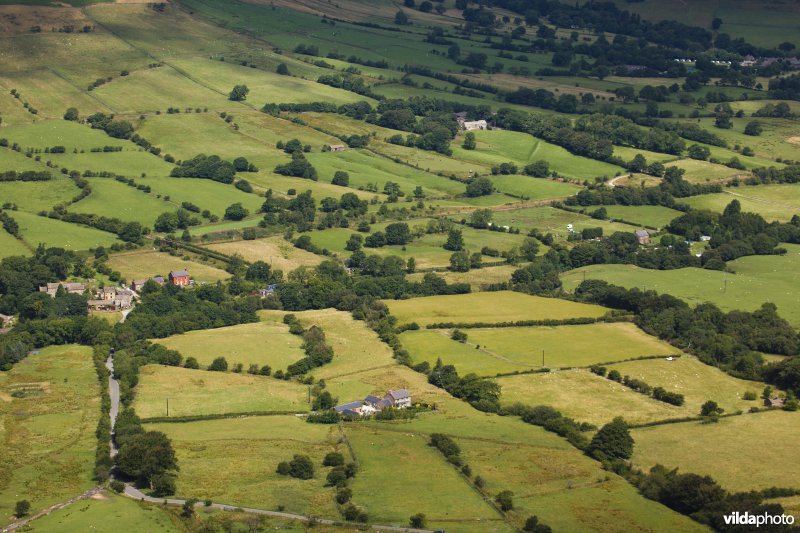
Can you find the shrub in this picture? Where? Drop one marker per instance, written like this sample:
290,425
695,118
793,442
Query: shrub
505,500
220,364
22,508
333,459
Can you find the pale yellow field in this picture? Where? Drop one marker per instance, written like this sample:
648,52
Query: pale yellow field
275,251
146,264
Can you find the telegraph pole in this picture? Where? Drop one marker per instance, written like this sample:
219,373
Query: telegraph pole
167,407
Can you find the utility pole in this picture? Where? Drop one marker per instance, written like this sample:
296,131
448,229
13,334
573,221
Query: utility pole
542,358
168,407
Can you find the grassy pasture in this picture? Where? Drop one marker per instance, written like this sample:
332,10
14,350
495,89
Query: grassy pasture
111,198
499,306
157,89
430,161
279,253
475,277
552,220
146,264
390,462
206,194
586,397
773,143
199,392
11,159
12,111
697,382
703,171
106,513
773,202
265,86
758,279
648,215
565,490
50,94
35,229
35,196
627,153
500,146
70,135
492,351
733,451
80,58
366,168
426,250
11,246
261,343
49,435
234,460
131,163
533,188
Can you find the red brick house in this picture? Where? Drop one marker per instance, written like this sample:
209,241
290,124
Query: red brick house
179,278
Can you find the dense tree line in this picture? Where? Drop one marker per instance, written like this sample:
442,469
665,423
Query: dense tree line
729,340
735,233
169,310
209,167
28,175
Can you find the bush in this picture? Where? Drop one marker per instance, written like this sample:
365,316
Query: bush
220,364
22,508
117,486
163,485
417,521
505,500
333,459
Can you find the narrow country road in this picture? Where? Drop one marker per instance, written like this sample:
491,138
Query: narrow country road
132,492
113,392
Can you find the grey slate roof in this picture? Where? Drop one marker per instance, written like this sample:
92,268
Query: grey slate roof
179,273
641,233
348,406
399,394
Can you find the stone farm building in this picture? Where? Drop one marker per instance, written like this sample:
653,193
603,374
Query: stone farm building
71,288
112,299
398,399
642,236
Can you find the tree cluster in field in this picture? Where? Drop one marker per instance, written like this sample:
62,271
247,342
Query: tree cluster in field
551,420
146,456
729,340
120,129
127,231
28,175
482,394
657,393
702,498
318,351
735,233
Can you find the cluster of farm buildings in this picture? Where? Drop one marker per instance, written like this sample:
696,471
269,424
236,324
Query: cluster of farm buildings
397,399
115,298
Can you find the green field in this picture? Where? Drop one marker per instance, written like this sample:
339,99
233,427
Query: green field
586,397
739,461
233,461
552,220
106,513
11,246
502,306
493,351
111,198
147,264
35,229
758,279
265,343
35,196
566,491
48,434
654,216
275,251
475,277
391,462
427,250
130,163
498,146
200,392
533,188
773,202
697,382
